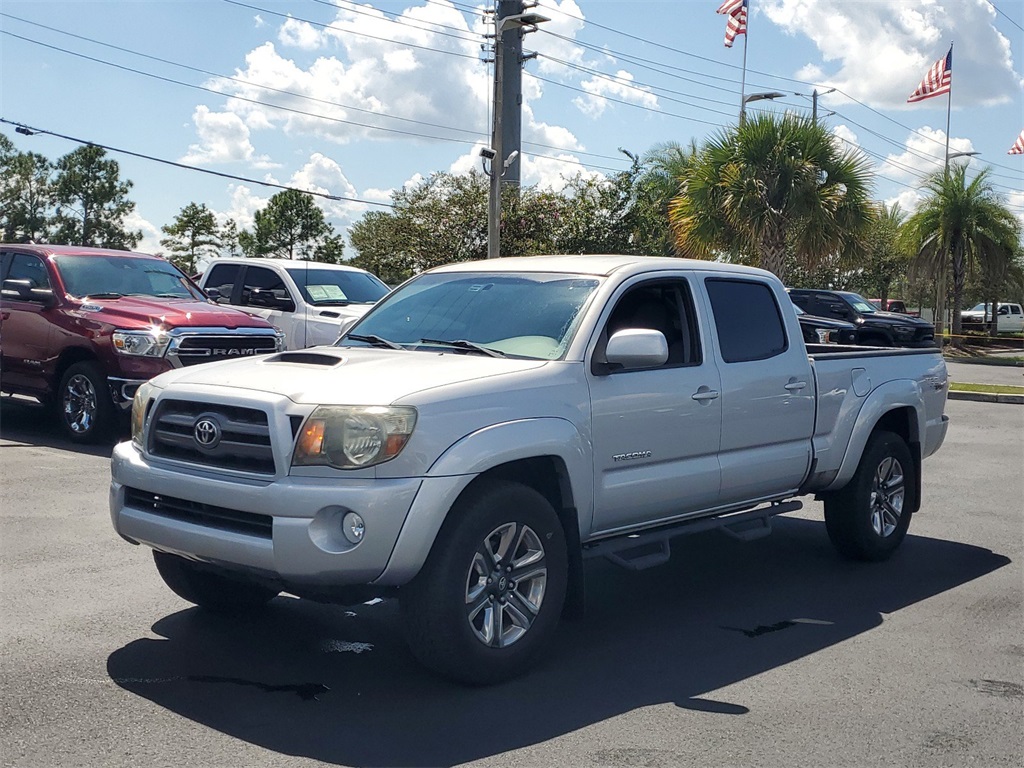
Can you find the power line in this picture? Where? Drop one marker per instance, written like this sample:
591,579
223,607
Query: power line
1018,26
341,198
383,15
353,32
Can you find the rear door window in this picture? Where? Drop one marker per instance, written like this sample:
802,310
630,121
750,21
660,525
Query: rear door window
748,319
264,288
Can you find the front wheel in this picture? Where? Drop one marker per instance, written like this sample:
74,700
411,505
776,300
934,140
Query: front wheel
492,589
868,519
207,588
84,404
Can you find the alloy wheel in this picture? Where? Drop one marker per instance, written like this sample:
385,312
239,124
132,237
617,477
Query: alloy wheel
888,490
505,585
79,403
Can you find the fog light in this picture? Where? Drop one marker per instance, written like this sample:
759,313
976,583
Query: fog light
353,528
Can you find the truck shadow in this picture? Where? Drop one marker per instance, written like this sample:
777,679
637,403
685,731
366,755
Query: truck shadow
25,421
340,686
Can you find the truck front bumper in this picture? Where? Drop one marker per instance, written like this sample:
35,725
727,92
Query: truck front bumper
289,529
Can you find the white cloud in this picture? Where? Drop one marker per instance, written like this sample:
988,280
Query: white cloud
923,156
258,21
881,50
620,87
223,138
300,34
151,234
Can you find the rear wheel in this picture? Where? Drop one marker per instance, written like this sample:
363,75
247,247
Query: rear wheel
491,592
869,518
84,405
208,589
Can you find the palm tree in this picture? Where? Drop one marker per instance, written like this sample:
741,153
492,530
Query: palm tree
961,226
771,185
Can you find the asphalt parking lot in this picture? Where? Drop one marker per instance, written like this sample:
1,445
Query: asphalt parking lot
772,652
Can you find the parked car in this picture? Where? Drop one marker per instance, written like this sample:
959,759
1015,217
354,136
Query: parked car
824,330
1009,317
312,303
488,426
82,328
874,327
894,305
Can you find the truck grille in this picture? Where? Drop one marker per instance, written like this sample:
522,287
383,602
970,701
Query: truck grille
192,350
198,513
213,435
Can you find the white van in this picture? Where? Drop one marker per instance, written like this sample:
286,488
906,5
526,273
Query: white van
311,302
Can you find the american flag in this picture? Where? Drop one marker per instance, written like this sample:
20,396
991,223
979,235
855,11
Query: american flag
736,10
1018,146
938,79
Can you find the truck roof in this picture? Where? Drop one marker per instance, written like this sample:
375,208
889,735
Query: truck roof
45,250
283,263
593,264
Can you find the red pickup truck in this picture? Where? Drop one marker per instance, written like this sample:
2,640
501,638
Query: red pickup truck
82,328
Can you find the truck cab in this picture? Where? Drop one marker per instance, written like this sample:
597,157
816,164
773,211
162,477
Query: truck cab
81,328
310,302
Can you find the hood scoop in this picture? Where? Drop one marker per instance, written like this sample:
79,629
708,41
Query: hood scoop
306,358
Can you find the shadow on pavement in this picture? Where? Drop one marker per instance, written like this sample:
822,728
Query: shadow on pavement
27,422
340,686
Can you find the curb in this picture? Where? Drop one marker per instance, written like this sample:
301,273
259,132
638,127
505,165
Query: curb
985,397
985,361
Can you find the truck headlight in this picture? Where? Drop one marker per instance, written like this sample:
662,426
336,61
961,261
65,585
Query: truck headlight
349,437
140,404
151,343
903,330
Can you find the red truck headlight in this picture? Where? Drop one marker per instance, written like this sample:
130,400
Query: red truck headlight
151,343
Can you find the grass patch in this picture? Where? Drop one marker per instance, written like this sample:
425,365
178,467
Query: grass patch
997,389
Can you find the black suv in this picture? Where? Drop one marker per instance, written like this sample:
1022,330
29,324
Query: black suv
874,327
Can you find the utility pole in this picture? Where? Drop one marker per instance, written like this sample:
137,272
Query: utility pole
511,124
510,19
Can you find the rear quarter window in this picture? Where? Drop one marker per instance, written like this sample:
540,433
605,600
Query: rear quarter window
747,318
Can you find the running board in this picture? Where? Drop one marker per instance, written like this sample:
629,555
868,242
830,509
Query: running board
637,551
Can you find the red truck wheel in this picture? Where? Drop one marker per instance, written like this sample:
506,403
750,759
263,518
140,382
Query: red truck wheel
84,405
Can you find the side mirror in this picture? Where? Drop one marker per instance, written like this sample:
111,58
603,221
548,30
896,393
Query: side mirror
213,294
22,290
637,348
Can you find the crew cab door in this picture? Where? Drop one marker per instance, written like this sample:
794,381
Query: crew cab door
260,292
655,430
767,389
25,326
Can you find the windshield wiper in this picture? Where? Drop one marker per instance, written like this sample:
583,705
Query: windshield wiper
376,341
332,303
109,295
469,346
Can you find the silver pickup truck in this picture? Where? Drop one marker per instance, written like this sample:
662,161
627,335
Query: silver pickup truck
488,427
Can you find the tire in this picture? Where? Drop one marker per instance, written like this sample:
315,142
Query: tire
868,519
491,592
208,589
84,406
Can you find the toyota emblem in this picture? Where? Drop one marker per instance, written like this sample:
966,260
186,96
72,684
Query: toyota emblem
206,432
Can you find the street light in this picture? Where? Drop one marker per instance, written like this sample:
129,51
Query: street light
757,97
951,155
500,163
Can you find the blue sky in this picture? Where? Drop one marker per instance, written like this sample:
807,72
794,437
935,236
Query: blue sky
341,97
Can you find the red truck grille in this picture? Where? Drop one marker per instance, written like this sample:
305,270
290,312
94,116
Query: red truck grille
212,435
192,350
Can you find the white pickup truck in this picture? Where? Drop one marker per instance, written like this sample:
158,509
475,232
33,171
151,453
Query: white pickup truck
309,302
1009,317
489,426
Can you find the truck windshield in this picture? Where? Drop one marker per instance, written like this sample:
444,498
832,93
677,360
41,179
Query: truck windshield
336,286
526,315
859,303
112,276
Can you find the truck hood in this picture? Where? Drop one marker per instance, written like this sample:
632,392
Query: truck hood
347,376
894,318
139,312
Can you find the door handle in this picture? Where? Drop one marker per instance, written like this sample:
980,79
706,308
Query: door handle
704,395
796,386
